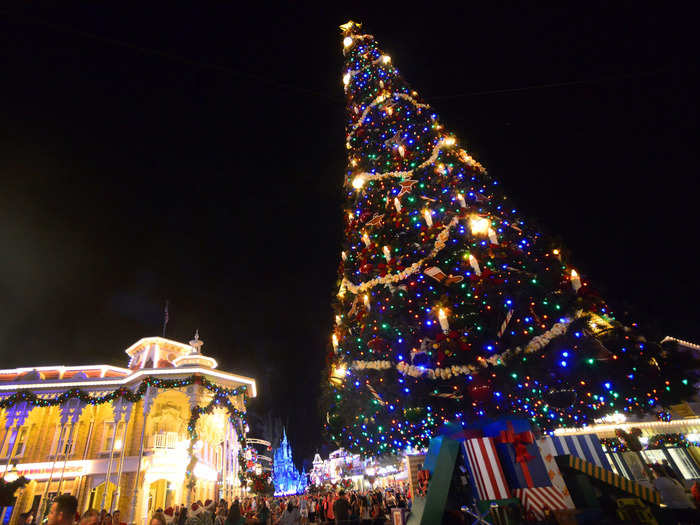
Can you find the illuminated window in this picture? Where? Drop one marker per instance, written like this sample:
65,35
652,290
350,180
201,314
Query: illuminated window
109,435
654,456
683,462
62,433
21,442
615,464
15,441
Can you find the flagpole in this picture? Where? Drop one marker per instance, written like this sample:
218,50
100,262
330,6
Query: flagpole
166,317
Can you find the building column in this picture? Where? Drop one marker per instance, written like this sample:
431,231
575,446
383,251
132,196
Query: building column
66,450
119,408
71,409
86,449
74,408
127,419
194,396
147,400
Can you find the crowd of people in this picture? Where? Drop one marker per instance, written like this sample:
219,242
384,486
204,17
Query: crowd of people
351,508
354,507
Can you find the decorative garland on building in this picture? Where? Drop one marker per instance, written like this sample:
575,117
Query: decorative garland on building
658,441
613,445
664,415
669,440
220,399
27,396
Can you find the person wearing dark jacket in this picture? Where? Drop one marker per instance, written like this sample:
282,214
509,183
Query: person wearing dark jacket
341,508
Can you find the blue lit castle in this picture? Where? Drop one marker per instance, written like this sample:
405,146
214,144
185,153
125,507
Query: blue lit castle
286,478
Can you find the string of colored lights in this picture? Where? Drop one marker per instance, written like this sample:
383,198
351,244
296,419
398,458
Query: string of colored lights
450,305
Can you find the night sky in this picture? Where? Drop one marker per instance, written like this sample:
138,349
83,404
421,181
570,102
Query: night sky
197,155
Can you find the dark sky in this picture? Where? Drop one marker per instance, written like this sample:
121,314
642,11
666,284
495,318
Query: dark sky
196,155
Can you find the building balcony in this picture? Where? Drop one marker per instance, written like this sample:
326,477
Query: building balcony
164,441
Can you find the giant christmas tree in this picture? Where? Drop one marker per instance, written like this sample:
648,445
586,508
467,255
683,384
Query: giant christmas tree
451,305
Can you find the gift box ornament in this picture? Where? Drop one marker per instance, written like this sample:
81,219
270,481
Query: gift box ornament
541,499
485,469
582,446
494,427
548,454
520,456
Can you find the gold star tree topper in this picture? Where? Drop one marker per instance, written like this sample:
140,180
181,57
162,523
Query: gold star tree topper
350,27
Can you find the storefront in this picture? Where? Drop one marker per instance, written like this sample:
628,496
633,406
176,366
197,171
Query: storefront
632,446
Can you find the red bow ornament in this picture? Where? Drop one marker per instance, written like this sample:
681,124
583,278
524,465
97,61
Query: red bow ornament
519,442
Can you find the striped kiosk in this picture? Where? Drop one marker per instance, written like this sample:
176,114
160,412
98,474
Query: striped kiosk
644,493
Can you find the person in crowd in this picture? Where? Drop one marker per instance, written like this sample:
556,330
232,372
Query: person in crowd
670,471
679,505
672,492
304,510
63,510
89,517
27,518
377,512
695,492
341,508
328,506
364,509
320,510
221,514
116,518
390,499
107,519
208,514
354,508
103,513
234,515
290,516
194,514
182,517
157,519
400,501
169,514
262,513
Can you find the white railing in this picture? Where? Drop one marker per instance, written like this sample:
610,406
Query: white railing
164,440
